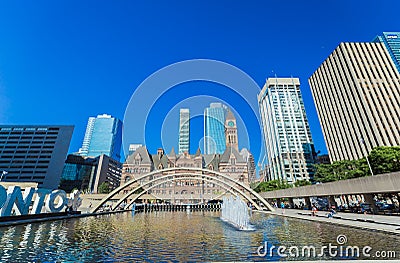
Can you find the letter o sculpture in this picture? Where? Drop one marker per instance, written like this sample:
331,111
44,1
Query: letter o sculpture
62,201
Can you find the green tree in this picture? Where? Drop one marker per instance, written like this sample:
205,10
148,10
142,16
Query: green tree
341,170
302,183
359,168
385,159
138,191
271,186
324,173
104,188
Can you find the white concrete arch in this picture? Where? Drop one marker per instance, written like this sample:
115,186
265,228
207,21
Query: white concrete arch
198,173
185,176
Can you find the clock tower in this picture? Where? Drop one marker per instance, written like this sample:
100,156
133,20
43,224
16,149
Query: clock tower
231,138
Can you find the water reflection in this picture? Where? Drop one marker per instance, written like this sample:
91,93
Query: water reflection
169,236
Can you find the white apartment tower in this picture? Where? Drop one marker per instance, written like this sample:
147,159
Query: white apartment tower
184,130
289,146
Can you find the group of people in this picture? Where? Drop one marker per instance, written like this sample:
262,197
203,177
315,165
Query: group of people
314,210
331,213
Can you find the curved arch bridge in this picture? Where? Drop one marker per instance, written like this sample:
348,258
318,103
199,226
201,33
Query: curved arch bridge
184,184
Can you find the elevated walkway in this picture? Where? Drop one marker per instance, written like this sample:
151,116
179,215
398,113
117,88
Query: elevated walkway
377,184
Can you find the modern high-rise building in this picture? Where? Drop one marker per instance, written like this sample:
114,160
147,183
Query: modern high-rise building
214,129
392,44
184,129
103,136
34,153
107,171
88,173
357,95
290,149
77,172
323,159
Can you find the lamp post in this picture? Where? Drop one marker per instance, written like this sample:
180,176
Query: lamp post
2,174
366,155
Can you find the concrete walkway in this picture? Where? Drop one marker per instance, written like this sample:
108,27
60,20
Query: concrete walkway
387,224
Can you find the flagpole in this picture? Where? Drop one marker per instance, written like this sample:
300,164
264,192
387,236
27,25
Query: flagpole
366,155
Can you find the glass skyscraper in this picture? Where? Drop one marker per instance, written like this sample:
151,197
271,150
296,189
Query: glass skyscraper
184,129
88,173
290,149
77,172
214,129
392,44
103,136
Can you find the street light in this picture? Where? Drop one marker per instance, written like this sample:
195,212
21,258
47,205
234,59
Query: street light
366,155
2,174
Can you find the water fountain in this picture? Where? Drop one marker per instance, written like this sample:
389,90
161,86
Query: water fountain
235,212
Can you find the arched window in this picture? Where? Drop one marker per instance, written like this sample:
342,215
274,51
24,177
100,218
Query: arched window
138,159
127,179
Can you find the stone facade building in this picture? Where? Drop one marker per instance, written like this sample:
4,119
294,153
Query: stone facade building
185,190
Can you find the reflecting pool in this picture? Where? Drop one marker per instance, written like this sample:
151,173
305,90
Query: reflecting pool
176,236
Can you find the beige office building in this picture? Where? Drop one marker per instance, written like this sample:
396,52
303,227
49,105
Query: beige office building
357,95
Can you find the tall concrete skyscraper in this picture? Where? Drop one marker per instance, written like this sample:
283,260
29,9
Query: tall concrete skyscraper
184,131
357,95
290,149
103,136
392,44
214,129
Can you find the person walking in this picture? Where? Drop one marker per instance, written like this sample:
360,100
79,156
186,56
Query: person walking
331,212
283,207
314,211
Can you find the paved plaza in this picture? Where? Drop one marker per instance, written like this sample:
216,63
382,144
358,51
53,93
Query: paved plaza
387,224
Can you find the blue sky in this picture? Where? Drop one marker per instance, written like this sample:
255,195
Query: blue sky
63,61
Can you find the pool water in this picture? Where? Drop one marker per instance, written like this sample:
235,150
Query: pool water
178,237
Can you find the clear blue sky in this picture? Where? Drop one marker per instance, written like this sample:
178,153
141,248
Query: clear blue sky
63,61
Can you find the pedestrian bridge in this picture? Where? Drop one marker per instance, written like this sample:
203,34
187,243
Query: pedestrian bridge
377,184
133,189
346,191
